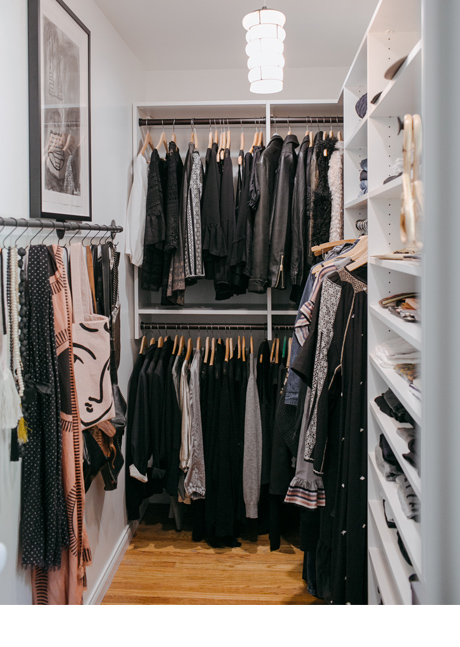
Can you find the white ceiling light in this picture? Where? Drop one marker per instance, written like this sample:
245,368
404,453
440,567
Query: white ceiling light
265,36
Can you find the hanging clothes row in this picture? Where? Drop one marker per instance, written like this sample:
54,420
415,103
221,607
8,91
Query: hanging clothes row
245,233
326,388
201,427
60,350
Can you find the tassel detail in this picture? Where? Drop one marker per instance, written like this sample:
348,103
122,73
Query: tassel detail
22,431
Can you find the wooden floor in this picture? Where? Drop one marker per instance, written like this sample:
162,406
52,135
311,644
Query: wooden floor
162,566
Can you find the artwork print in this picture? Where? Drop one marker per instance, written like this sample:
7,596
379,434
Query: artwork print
59,118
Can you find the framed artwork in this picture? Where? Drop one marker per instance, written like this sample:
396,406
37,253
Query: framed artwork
59,112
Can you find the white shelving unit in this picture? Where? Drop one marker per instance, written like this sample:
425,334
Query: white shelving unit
271,308
394,32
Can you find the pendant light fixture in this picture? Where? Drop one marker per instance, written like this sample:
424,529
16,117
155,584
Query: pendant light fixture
265,45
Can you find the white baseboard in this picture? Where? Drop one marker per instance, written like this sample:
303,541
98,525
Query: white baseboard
120,549
107,576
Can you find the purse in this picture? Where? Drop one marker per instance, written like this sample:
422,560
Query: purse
91,348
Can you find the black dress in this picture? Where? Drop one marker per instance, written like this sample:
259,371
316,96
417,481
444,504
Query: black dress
239,260
43,530
222,280
134,488
155,228
214,244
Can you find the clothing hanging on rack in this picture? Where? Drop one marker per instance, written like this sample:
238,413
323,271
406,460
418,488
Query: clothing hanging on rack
49,438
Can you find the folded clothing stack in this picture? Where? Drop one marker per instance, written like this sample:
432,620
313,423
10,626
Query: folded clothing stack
410,502
404,305
386,460
396,351
389,404
363,177
410,436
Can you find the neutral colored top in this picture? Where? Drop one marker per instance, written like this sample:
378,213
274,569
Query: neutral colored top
252,459
135,215
195,481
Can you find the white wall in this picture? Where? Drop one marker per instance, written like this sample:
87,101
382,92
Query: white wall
222,85
118,80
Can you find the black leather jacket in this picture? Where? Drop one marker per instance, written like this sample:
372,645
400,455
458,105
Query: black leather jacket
266,173
300,216
280,224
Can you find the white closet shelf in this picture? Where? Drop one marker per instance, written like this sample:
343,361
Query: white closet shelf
204,312
284,312
400,95
409,529
401,570
414,268
400,388
399,447
389,191
410,331
358,139
384,579
357,203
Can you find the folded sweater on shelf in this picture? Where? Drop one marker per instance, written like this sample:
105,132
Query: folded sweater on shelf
396,351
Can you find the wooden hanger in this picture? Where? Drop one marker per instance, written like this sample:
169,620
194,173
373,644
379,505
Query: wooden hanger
254,141
160,342
181,345
277,351
243,349
223,145
176,339
231,347
227,350
289,353
229,137
198,343
173,136
239,347
189,349
251,345
260,139
324,247
216,137
272,353
354,254
213,351
310,145
163,141
143,345
147,142
339,136
152,341
240,157
359,262
210,139
206,350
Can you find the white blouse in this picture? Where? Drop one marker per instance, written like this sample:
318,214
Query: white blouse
135,215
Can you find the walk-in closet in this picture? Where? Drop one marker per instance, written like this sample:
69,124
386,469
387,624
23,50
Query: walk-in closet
228,304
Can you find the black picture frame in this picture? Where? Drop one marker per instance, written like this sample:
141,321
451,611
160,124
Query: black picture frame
59,46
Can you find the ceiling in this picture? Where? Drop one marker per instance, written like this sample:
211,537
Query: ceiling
208,34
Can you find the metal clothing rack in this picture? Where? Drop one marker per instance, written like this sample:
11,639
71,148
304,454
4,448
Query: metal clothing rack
60,226
208,326
238,121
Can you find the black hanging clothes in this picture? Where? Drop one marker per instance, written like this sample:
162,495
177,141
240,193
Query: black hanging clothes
155,228
214,243
240,386
312,183
300,222
171,425
134,488
157,383
280,219
222,280
239,258
44,531
175,291
321,211
173,181
265,169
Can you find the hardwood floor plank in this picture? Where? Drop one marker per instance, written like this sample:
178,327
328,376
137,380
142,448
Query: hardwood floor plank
162,566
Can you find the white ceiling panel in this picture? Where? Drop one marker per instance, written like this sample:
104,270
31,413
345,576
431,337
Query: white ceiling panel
208,34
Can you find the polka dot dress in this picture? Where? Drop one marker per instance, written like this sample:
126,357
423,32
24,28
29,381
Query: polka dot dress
43,522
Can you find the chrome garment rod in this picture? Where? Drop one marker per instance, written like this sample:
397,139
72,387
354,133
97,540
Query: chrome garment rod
208,326
59,226
245,121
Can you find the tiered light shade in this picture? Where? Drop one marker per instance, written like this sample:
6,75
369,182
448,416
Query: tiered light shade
265,36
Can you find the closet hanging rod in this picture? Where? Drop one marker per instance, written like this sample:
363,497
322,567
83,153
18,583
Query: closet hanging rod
60,226
237,121
208,326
